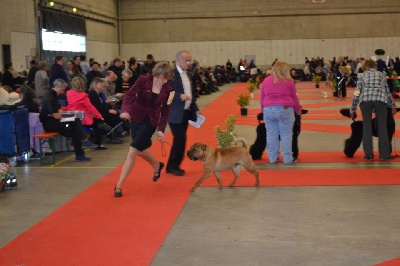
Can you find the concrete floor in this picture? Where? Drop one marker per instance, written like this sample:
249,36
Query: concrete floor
336,225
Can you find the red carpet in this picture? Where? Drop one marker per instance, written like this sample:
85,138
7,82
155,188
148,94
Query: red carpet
95,228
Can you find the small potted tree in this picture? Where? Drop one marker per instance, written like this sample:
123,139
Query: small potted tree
317,79
226,137
251,86
243,101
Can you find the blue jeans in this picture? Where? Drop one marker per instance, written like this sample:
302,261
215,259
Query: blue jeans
279,122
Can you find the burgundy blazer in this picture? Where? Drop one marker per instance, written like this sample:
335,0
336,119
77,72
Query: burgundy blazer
137,103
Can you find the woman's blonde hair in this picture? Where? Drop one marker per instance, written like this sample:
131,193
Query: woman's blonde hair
78,84
368,64
163,69
280,71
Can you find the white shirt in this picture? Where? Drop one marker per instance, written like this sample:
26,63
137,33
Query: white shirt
186,86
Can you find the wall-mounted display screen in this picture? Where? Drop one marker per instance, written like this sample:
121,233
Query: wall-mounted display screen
58,41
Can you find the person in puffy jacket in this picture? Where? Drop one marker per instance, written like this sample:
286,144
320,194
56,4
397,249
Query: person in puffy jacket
78,100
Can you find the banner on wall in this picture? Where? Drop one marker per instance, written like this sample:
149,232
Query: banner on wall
248,59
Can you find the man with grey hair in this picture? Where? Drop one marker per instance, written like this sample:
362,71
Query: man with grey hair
183,109
50,116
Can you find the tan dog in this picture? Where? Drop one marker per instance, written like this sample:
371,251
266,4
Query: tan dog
217,160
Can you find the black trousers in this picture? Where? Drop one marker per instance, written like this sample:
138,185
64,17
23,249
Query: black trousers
71,130
179,141
97,132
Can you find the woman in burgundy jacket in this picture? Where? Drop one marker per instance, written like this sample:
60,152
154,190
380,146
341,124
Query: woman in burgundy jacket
147,105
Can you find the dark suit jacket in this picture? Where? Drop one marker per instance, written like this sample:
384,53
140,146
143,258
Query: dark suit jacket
137,103
177,106
57,72
8,79
96,101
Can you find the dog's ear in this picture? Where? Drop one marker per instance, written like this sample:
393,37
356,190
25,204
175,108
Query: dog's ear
345,112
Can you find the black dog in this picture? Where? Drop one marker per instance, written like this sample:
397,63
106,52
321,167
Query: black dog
352,144
257,149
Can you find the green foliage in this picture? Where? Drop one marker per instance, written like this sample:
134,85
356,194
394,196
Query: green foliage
379,52
226,137
251,86
317,79
243,99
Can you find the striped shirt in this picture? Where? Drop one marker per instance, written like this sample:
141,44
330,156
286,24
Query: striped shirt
373,86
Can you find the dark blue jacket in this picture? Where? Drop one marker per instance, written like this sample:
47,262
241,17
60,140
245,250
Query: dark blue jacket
177,106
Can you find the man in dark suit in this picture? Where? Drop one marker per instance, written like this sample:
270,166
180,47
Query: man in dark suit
183,108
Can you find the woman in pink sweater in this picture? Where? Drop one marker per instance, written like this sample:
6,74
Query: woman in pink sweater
279,103
78,100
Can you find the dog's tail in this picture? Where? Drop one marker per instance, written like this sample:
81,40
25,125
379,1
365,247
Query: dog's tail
242,140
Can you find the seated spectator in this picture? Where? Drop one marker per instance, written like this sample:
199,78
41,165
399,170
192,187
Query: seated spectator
200,83
78,100
28,97
224,75
93,73
110,115
211,80
117,68
294,75
50,116
8,78
110,90
234,75
126,82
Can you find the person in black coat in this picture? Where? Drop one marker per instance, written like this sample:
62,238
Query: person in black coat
93,73
8,78
111,116
183,109
57,70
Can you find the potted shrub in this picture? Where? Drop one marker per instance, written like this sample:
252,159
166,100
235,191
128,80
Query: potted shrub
243,101
317,79
226,137
251,86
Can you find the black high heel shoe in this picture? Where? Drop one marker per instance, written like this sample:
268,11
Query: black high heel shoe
117,193
158,173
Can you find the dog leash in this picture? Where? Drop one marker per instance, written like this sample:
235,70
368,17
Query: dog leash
114,128
163,150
